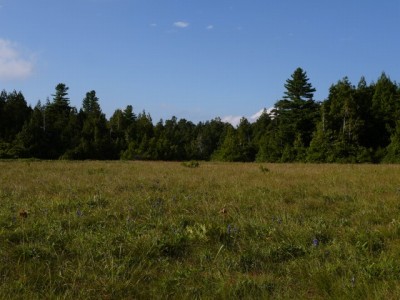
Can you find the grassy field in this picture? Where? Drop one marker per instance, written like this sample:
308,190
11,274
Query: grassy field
112,230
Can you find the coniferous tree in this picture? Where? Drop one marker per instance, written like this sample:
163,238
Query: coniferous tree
32,136
260,126
15,113
139,146
295,118
342,128
122,129
393,149
229,150
320,149
60,102
129,120
246,146
183,139
210,137
363,98
386,110
57,123
354,124
3,99
270,146
298,90
340,123
95,141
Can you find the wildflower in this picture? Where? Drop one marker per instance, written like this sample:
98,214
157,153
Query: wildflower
79,213
315,242
229,229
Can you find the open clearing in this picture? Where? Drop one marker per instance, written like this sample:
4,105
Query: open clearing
114,230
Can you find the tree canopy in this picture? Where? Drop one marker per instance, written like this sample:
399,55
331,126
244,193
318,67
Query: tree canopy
355,123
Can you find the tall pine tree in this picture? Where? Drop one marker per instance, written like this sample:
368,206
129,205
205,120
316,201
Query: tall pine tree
295,116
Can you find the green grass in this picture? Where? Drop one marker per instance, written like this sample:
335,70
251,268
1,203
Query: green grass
112,230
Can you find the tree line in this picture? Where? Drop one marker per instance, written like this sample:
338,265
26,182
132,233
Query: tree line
355,124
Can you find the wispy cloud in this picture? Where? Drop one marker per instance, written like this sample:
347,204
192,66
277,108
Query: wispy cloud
153,25
12,63
210,27
181,24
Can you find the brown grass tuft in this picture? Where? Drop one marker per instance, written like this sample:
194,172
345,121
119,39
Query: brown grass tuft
23,214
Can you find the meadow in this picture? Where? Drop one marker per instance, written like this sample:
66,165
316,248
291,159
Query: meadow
150,230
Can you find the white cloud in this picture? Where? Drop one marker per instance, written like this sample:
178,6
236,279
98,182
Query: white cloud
153,25
181,24
235,120
12,63
258,114
255,117
210,27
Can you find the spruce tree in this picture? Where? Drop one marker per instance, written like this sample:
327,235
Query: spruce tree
61,124
298,87
296,114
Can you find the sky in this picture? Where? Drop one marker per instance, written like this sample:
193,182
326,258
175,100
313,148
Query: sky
193,59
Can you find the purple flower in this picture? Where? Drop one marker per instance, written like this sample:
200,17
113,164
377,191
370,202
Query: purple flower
315,242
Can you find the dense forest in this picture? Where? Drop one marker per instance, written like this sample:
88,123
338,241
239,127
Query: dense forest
354,124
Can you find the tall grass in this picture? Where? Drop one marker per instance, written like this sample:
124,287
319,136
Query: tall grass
110,230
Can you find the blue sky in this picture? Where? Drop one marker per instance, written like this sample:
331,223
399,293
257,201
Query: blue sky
193,59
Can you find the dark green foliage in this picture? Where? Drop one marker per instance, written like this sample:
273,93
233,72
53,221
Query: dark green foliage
209,137
386,108
229,150
60,125
393,150
295,118
237,144
14,112
33,135
355,124
95,141
298,88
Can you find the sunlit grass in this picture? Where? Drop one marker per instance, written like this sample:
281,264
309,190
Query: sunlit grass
220,230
